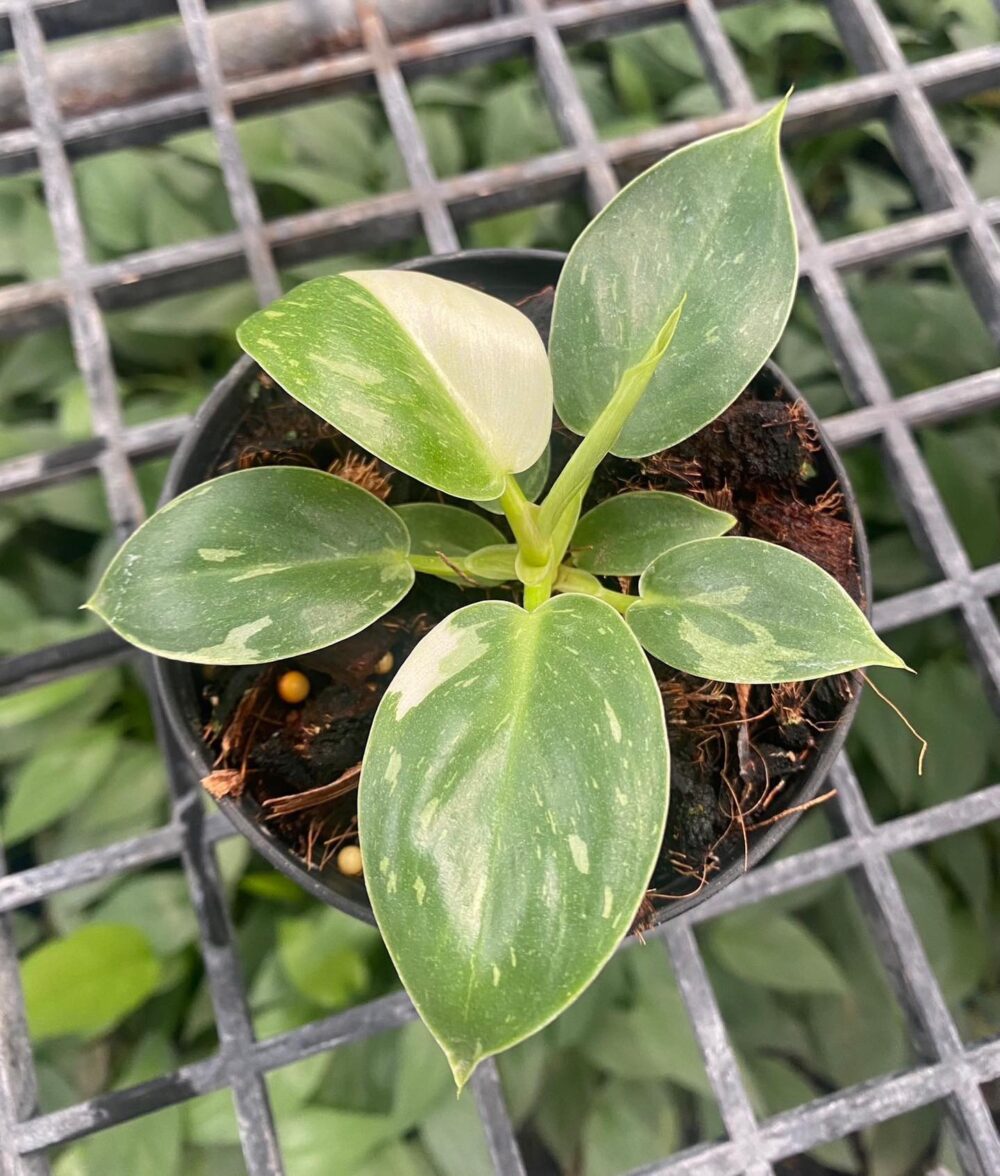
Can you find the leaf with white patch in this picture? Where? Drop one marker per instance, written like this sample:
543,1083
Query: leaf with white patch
511,808
741,610
711,221
532,481
442,381
622,536
258,565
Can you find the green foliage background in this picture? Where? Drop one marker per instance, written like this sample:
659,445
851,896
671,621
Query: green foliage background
114,983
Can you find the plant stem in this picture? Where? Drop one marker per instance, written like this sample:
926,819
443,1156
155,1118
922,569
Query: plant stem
537,594
576,580
576,475
538,586
523,518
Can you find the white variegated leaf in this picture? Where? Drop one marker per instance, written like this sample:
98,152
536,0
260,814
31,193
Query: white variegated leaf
442,381
512,806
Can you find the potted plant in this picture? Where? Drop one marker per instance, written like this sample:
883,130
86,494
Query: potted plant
512,801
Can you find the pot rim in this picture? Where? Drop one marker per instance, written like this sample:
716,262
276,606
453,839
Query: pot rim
352,898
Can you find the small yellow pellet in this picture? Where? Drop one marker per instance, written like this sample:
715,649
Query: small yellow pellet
349,861
293,687
385,663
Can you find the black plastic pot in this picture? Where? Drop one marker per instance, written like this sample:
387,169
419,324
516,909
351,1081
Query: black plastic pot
510,275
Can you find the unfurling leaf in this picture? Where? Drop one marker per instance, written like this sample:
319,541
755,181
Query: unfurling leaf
442,381
258,565
741,610
622,536
497,563
511,809
711,221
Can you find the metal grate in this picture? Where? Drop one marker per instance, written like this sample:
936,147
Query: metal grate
887,87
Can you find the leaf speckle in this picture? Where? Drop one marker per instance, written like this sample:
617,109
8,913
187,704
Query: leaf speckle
581,856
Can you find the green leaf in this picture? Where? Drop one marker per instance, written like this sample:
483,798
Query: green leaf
777,952
42,704
522,1072
711,221
496,563
113,191
325,956
436,527
453,1137
629,1124
785,1087
623,535
291,1087
316,1141
652,1039
946,704
159,904
86,983
257,565
129,800
896,1147
422,1080
440,529
511,808
563,1103
442,381
398,1159
741,610
970,495
57,778
150,1146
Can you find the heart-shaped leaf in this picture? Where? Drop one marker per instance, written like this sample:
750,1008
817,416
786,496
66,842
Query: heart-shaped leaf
444,382
741,610
623,535
437,527
512,806
257,565
711,221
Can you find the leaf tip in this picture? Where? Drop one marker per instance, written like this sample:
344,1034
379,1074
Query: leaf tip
462,1070
774,118
890,660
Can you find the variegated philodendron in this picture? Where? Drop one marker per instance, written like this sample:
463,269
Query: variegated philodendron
513,796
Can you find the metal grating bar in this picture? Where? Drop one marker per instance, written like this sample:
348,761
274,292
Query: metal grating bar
889,88
90,339
717,1053
898,943
161,845
121,1106
223,969
502,1145
933,170
242,197
567,105
156,273
17,1071
437,222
